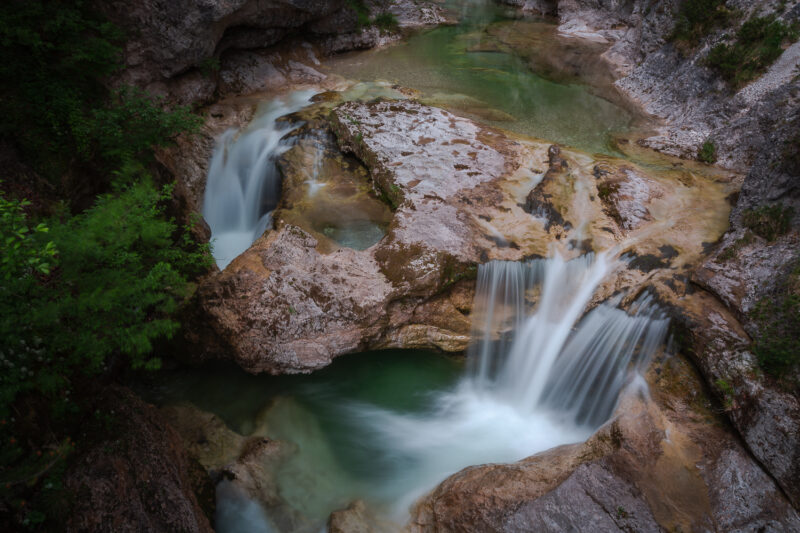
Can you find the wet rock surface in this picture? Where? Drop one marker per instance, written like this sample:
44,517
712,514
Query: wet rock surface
669,464
459,193
289,305
140,477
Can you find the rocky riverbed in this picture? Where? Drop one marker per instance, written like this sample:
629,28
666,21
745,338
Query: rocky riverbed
438,187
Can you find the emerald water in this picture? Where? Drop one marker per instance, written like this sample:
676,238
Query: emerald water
503,71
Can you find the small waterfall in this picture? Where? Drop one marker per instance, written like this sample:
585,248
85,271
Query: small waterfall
314,185
536,357
243,186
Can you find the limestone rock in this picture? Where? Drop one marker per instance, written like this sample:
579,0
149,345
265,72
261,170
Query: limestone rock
294,300
767,417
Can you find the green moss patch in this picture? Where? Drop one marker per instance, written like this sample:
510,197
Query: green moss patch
768,221
777,345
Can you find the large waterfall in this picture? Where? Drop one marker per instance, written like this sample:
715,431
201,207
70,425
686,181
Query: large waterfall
541,372
243,185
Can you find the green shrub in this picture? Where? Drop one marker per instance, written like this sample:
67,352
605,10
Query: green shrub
128,127
696,18
777,345
387,21
768,221
361,11
707,153
103,284
55,57
759,42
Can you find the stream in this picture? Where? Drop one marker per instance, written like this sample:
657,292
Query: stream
387,427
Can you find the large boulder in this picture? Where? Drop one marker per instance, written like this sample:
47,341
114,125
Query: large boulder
138,478
296,298
455,194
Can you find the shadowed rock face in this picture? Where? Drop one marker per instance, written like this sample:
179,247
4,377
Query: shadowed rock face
666,465
176,47
140,478
766,416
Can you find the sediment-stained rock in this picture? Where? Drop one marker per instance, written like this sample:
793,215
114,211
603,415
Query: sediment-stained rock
290,305
299,297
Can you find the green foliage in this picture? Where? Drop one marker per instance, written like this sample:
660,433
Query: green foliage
768,221
696,18
361,11
727,391
209,66
759,42
707,152
120,277
127,128
25,251
777,345
387,21
54,59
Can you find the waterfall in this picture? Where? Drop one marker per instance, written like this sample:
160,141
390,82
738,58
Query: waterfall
538,375
542,356
243,185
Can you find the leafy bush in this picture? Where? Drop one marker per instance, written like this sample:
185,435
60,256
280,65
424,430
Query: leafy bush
768,221
707,153
759,42
361,11
118,282
696,18
387,21
54,59
129,126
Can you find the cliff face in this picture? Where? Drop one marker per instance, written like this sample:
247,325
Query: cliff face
188,50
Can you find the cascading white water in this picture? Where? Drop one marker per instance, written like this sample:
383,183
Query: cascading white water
536,380
549,363
243,185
